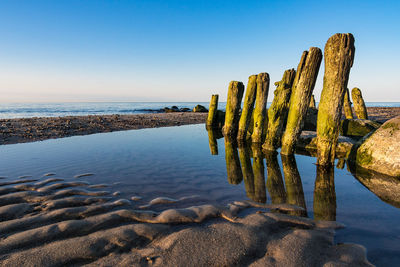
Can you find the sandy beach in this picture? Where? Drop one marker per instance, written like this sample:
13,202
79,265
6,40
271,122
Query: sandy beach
36,129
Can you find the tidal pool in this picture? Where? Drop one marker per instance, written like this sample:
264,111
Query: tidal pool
190,163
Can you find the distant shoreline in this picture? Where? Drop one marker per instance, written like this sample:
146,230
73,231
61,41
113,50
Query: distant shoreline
23,130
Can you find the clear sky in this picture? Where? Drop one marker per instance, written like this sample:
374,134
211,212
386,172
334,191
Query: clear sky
184,50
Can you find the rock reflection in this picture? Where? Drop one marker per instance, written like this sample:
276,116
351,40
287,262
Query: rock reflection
325,195
294,187
233,169
275,186
260,194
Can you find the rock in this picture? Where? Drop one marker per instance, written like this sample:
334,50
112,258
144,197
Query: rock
172,109
308,141
357,127
184,109
199,108
380,151
310,123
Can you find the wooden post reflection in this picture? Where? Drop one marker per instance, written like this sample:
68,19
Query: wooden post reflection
247,170
294,187
212,141
232,162
324,194
260,194
275,184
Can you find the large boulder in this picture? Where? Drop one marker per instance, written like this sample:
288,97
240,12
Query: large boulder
380,151
199,108
357,127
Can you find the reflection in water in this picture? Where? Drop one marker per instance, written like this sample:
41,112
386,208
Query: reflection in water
275,185
260,194
248,175
341,163
294,187
325,195
232,162
212,140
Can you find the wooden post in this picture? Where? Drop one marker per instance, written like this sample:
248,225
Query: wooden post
312,102
339,55
275,186
260,109
347,105
303,86
294,187
278,111
325,195
233,170
212,119
248,175
359,104
248,107
235,94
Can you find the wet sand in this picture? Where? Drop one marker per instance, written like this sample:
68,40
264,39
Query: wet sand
35,129
58,222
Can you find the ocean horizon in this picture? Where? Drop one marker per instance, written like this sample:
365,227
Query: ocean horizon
61,109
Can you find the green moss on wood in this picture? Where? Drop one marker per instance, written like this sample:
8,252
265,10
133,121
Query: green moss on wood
260,109
359,104
248,107
235,94
212,119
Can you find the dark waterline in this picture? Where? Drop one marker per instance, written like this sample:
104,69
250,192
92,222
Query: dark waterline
177,162
28,110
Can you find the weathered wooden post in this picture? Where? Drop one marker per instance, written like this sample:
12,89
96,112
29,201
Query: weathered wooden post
275,184
312,102
248,107
294,187
303,86
260,194
347,105
212,119
247,170
359,104
233,170
325,195
278,111
260,109
235,94
339,55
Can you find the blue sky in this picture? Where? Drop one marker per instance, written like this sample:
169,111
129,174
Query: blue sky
183,50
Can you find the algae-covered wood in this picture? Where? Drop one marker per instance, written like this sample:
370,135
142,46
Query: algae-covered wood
248,107
260,109
278,111
348,112
359,104
303,86
212,111
235,94
312,102
339,55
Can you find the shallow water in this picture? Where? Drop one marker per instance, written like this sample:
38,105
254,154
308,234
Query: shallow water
177,162
28,110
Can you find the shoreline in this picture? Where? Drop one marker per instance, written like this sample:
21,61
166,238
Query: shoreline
23,130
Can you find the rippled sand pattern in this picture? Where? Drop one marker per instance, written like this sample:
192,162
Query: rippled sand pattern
54,222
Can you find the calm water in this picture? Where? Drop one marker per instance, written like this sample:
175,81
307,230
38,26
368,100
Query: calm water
178,162
28,110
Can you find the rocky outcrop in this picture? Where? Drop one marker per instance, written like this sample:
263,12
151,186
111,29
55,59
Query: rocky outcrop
357,127
199,108
380,151
308,141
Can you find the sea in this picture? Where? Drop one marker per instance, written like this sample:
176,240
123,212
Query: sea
29,110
